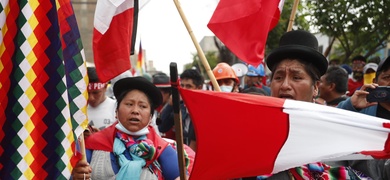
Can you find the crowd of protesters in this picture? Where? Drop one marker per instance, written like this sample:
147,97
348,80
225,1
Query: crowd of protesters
298,71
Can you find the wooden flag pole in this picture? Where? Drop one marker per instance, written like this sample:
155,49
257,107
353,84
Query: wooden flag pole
177,119
82,147
197,46
292,15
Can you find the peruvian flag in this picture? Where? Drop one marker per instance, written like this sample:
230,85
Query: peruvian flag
243,26
242,135
114,36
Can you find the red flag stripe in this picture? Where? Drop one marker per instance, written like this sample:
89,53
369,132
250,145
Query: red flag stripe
243,26
238,131
112,38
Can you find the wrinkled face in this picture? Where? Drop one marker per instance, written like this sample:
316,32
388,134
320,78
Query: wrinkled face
384,78
96,97
134,111
290,80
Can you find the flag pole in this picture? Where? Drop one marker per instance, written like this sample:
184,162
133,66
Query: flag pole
177,120
292,15
82,147
197,46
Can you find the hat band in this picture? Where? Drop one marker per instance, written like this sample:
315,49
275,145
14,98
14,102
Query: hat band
96,86
163,85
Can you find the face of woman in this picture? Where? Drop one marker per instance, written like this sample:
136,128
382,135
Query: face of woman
134,111
291,81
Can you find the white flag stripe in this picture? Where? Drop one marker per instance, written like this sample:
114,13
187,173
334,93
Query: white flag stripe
331,133
107,10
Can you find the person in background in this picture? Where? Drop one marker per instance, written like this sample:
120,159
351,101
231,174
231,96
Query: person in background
130,148
162,82
369,72
334,62
334,85
226,77
376,169
347,68
356,80
101,109
255,76
189,79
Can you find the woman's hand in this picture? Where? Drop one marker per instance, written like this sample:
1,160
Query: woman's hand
82,170
358,99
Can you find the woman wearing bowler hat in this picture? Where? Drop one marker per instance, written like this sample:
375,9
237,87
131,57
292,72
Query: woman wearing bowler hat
130,148
296,67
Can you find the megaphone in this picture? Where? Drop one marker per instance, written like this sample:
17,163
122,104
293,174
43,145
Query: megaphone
240,69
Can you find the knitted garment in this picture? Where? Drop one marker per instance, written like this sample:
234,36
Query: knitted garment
321,171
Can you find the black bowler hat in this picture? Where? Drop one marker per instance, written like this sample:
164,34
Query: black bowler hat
301,45
139,83
382,66
161,80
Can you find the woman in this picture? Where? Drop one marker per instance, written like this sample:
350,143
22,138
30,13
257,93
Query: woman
130,148
296,67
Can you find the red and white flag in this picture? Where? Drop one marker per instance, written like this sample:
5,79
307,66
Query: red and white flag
113,36
243,26
241,135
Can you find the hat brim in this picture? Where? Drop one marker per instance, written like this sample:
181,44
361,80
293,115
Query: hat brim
383,64
300,52
139,83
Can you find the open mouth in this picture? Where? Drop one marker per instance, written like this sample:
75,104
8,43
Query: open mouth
286,96
134,120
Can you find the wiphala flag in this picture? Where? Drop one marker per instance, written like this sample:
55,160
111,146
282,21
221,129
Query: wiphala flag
43,93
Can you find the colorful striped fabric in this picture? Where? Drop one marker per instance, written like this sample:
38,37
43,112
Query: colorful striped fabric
140,60
43,84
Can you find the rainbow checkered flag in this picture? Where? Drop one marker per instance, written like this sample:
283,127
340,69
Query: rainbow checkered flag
43,95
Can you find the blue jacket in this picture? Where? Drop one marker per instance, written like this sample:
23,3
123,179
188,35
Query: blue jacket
347,105
167,121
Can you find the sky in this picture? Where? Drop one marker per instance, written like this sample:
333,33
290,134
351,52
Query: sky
163,34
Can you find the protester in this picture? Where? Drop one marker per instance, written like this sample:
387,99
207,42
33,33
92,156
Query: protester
255,77
162,82
189,79
130,149
334,85
347,68
376,169
296,67
369,72
226,77
101,109
334,62
356,80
